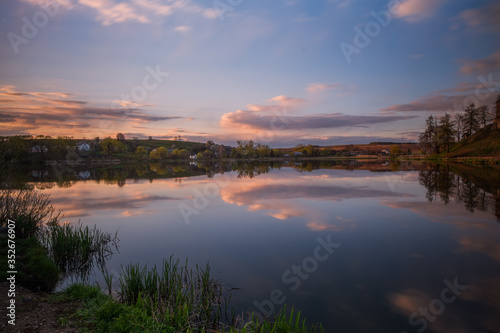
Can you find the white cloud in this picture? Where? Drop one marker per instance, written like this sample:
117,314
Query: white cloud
210,13
182,28
340,87
285,100
143,11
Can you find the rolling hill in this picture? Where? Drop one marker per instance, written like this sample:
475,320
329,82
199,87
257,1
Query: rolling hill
484,143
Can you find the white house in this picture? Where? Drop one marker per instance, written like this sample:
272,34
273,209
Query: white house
83,174
39,149
82,146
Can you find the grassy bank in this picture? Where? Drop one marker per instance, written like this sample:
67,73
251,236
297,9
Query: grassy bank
191,305
171,298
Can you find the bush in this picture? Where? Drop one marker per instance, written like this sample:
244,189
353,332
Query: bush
35,269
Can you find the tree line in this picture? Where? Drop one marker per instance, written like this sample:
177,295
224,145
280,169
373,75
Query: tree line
442,132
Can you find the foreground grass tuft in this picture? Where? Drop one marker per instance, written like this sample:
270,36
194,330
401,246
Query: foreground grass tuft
101,313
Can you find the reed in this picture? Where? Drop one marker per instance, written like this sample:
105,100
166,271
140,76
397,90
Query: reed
77,249
284,322
173,298
176,294
30,209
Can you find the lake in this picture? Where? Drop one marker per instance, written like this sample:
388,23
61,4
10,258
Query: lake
358,246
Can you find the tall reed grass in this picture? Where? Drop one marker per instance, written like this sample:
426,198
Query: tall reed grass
175,294
75,249
30,209
78,249
176,298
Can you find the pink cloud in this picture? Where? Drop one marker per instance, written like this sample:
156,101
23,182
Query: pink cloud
316,87
486,65
416,10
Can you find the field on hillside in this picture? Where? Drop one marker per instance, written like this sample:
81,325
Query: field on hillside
485,143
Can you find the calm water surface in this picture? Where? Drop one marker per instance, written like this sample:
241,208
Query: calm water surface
415,247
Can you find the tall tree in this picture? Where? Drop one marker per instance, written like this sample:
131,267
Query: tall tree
459,119
446,131
471,120
484,115
120,137
497,112
429,139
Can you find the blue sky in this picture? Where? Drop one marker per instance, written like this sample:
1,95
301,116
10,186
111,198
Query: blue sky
272,71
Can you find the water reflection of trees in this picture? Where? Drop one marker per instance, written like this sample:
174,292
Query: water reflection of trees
446,185
474,187
252,170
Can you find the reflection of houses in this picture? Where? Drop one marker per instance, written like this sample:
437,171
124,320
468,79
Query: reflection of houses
356,152
83,174
82,146
39,173
39,149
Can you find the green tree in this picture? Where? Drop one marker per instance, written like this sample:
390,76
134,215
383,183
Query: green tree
395,151
162,152
446,132
429,138
263,150
208,154
246,149
471,120
183,153
141,151
111,146
120,137
326,152
16,147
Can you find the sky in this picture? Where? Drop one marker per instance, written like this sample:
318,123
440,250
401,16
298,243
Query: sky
280,73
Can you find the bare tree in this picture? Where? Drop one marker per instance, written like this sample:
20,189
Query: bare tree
459,119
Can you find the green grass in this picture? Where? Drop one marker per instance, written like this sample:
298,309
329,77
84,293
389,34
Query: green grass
175,294
144,306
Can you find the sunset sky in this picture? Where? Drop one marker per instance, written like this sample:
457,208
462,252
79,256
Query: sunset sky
278,72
